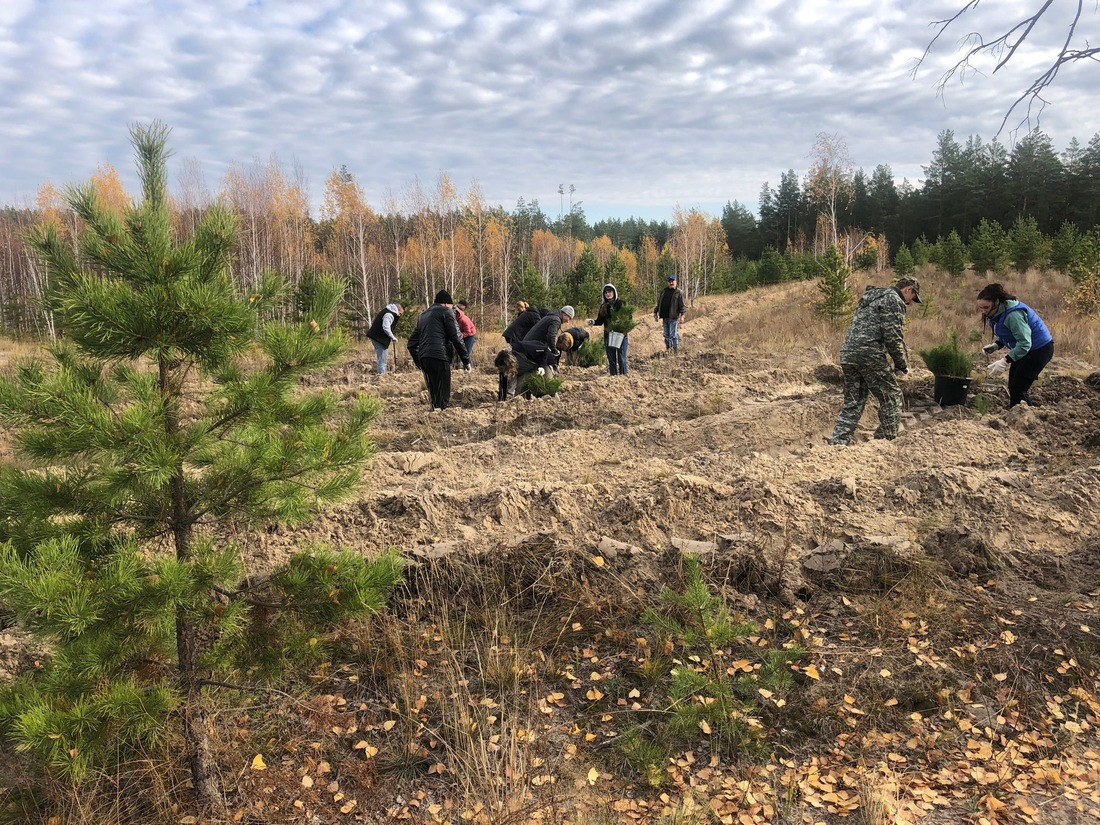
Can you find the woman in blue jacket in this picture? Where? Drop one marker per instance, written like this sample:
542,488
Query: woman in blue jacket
1017,327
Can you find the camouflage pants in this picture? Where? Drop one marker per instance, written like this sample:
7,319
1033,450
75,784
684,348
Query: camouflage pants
861,380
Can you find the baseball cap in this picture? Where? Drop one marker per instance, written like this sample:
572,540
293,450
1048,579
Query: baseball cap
913,282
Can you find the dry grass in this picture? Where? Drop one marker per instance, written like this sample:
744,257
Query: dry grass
780,319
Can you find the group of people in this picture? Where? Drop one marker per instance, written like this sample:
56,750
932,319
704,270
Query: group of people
876,334
536,341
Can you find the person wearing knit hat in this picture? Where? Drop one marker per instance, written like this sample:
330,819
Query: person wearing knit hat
546,332
436,336
578,336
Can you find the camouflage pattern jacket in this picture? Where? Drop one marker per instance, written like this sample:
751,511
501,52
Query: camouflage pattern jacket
876,328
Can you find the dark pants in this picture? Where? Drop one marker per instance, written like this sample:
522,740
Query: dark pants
437,375
1022,373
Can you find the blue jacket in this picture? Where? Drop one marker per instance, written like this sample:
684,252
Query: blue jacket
1019,327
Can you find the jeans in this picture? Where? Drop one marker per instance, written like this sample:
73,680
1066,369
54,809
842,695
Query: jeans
382,354
616,358
671,329
469,342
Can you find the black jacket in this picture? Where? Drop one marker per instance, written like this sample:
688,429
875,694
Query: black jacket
606,308
670,303
534,351
435,334
521,325
546,331
580,335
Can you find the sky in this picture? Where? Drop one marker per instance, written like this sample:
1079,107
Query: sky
640,106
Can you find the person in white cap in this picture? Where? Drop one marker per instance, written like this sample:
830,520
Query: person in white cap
546,331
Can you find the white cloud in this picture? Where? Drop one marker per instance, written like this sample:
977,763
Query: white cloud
646,102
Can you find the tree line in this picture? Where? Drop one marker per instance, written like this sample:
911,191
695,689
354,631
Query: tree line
431,237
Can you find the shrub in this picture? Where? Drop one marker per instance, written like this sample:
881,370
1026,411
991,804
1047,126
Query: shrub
592,353
948,359
541,385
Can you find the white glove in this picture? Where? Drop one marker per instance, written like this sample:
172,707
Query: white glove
989,349
997,367
465,367
901,372
541,371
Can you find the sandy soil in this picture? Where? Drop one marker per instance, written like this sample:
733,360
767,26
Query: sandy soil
711,443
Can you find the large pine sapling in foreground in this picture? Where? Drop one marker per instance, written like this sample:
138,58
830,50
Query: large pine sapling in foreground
173,407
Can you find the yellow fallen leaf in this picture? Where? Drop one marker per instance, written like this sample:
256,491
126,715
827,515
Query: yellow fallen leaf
812,672
885,674
704,727
594,695
598,561
348,808
388,724
593,775
258,763
307,781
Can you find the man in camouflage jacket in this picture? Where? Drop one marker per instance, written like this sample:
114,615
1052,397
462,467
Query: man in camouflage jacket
875,332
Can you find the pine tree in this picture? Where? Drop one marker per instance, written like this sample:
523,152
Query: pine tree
951,254
172,408
989,248
836,291
1030,247
903,262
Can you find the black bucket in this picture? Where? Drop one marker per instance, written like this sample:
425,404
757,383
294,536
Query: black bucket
950,391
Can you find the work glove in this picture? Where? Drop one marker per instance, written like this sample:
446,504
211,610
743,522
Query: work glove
541,371
590,322
901,371
465,367
989,349
997,367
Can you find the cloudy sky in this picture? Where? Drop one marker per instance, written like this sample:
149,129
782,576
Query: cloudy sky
641,105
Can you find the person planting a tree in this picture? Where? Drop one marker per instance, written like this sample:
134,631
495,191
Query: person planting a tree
1017,327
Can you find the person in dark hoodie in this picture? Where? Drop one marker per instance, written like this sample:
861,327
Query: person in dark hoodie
876,332
579,336
1017,327
522,323
616,358
430,345
670,312
381,333
518,360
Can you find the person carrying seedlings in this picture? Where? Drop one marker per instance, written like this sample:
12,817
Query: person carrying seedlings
518,360
876,332
430,346
546,331
466,328
1017,327
528,316
612,303
381,334
670,311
